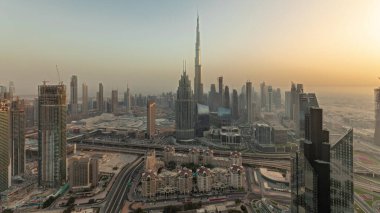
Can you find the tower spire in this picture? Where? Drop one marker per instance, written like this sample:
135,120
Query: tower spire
198,87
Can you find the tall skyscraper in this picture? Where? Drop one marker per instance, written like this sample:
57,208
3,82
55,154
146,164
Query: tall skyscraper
322,172
151,118
269,99
377,117
5,138
12,90
114,101
226,100
248,94
288,105
84,99
51,135
74,95
17,137
263,97
220,86
100,98
235,105
293,92
302,105
127,100
184,109
213,98
198,86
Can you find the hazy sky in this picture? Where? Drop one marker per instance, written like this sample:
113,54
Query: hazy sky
318,43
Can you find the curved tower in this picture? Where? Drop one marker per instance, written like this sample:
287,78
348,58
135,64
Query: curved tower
184,124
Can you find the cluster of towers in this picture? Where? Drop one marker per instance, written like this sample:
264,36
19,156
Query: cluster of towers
221,100
100,105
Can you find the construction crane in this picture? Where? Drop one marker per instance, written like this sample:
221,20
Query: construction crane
59,76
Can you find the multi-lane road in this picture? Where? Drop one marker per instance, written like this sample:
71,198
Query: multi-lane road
119,191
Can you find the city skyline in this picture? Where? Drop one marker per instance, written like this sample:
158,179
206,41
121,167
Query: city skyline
269,41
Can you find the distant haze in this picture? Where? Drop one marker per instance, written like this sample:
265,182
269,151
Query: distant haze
317,43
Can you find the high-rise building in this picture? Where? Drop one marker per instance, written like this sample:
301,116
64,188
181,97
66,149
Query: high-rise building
198,86
269,99
12,90
184,109
17,137
5,138
377,117
114,101
52,112
74,95
277,98
220,86
100,98
288,104
213,99
248,94
79,171
127,100
151,118
242,101
322,172
263,92
293,92
302,105
235,105
226,100
84,99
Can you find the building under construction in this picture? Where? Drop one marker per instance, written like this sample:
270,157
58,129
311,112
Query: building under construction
377,116
52,111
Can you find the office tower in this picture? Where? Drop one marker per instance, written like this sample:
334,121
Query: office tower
277,98
226,100
114,101
248,94
293,92
269,99
198,86
377,117
213,98
235,105
242,101
184,109
303,103
288,104
12,90
51,135
220,86
322,172
74,95
127,100
151,118
79,171
5,138
263,92
100,98
3,92
17,137
84,99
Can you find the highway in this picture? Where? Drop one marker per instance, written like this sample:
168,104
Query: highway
119,190
266,162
